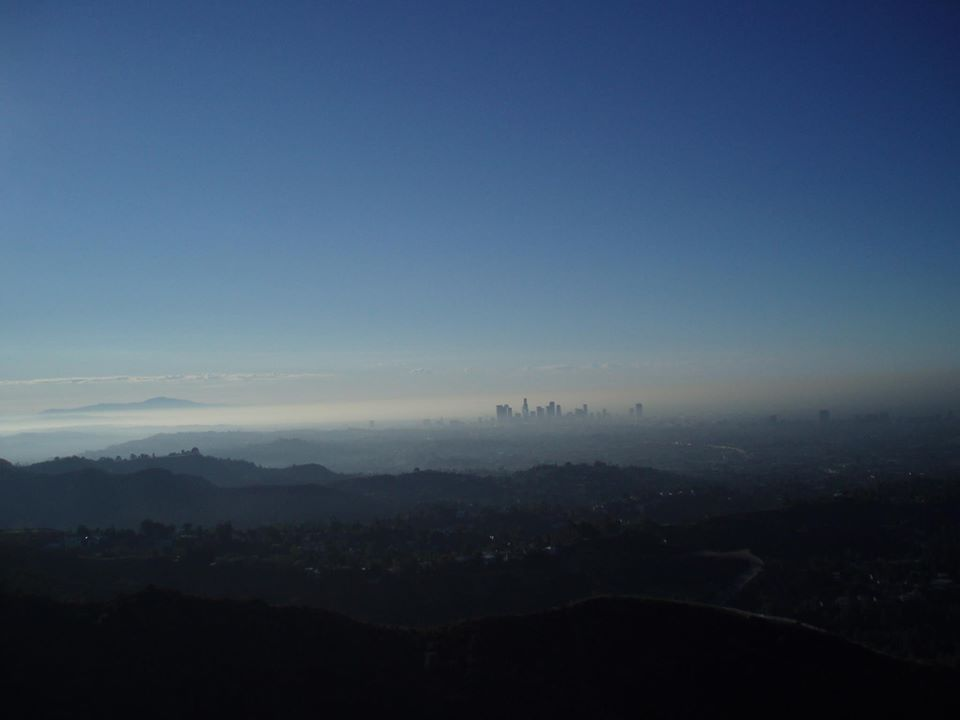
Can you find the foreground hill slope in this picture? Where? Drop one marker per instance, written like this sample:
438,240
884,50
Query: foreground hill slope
160,654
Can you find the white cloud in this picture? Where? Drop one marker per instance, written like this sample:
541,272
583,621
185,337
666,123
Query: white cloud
181,378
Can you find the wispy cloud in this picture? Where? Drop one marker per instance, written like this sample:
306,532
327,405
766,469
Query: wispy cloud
593,367
179,378
551,368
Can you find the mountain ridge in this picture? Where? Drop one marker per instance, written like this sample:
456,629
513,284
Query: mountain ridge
155,403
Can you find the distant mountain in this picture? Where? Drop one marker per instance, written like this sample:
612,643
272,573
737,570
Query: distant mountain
156,403
160,654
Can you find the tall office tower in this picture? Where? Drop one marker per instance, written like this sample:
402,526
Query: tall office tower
559,411
500,413
585,412
539,411
551,409
526,408
824,416
638,411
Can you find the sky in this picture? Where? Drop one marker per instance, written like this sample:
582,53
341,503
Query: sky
336,202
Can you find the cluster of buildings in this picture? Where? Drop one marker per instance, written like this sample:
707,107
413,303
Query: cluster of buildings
505,412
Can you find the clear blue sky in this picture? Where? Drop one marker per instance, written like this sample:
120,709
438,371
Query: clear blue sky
716,189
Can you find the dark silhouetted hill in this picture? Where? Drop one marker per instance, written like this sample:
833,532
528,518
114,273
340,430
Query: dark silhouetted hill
94,497
219,471
159,654
94,486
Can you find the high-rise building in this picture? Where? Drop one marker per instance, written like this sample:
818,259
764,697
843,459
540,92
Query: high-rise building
551,409
526,409
638,411
559,411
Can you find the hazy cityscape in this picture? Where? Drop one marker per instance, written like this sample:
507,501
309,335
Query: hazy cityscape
479,360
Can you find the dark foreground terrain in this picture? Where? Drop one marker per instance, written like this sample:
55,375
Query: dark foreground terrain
286,590
875,560
161,654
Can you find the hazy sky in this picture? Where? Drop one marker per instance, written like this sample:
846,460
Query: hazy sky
321,201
